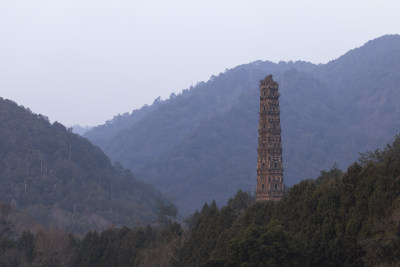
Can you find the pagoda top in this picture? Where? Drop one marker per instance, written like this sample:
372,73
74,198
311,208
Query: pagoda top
268,81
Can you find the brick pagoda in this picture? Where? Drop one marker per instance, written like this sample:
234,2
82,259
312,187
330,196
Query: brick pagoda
269,162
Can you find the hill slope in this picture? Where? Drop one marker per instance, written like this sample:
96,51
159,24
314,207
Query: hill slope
339,219
201,144
347,218
60,178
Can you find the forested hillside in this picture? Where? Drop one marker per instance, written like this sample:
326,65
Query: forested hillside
347,218
339,219
201,144
55,177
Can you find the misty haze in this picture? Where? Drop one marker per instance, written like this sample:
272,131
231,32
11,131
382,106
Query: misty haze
199,133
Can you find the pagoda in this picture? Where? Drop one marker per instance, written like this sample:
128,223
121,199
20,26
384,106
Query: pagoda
269,161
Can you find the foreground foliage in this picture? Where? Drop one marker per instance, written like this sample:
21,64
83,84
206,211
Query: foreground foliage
339,219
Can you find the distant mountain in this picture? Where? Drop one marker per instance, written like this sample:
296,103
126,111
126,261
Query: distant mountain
101,134
61,179
81,130
365,82
201,144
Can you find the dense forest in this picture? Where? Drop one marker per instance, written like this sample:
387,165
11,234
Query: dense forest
349,218
201,144
52,176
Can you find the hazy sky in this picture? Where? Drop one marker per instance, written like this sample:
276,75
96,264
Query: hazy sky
84,61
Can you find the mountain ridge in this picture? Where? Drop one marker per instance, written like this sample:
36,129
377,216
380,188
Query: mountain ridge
334,103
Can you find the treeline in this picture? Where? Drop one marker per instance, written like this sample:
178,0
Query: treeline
338,219
51,246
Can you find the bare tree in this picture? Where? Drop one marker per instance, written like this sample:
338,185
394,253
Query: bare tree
13,258
53,248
